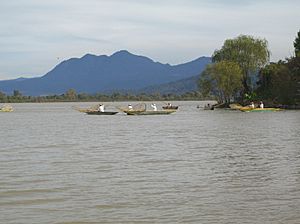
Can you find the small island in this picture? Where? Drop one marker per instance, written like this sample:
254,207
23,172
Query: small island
241,73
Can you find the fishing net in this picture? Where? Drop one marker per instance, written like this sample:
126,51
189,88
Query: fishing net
139,107
136,107
84,110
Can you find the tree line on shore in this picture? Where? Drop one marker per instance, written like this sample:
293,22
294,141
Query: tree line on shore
72,96
241,72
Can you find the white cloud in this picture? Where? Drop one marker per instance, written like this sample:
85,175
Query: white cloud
34,33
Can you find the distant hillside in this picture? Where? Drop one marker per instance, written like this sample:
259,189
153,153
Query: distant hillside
105,74
179,87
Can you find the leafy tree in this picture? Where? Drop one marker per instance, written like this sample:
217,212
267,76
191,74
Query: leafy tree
279,82
83,96
248,52
17,93
2,97
297,45
116,96
71,95
293,65
223,79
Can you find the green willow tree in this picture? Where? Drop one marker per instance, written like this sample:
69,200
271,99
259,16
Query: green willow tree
222,79
275,83
297,45
249,53
279,83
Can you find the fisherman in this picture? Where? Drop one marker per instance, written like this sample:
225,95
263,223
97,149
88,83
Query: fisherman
130,107
261,105
154,107
101,108
252,105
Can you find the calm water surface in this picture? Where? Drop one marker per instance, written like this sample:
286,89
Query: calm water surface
61,166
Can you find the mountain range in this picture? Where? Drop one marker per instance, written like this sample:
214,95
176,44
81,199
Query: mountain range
122,71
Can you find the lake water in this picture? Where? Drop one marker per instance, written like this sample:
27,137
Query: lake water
194,166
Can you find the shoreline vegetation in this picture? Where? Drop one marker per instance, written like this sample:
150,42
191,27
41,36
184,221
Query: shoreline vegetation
240,73
72,96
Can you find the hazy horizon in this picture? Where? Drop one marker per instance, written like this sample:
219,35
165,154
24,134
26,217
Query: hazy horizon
36,36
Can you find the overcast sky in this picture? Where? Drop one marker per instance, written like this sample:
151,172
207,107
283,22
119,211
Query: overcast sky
36,35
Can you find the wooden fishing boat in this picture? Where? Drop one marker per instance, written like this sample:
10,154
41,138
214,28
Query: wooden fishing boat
170,107
101,113
209,107
150,112
248,109
6,108
94,111
140,109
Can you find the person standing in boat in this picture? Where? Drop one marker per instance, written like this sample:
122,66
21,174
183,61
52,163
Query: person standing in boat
154,107
252,105
261,105
101,108
130,107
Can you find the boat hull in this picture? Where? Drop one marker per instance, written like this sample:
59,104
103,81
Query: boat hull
159,112
247,109
208,108
170,107
101,113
